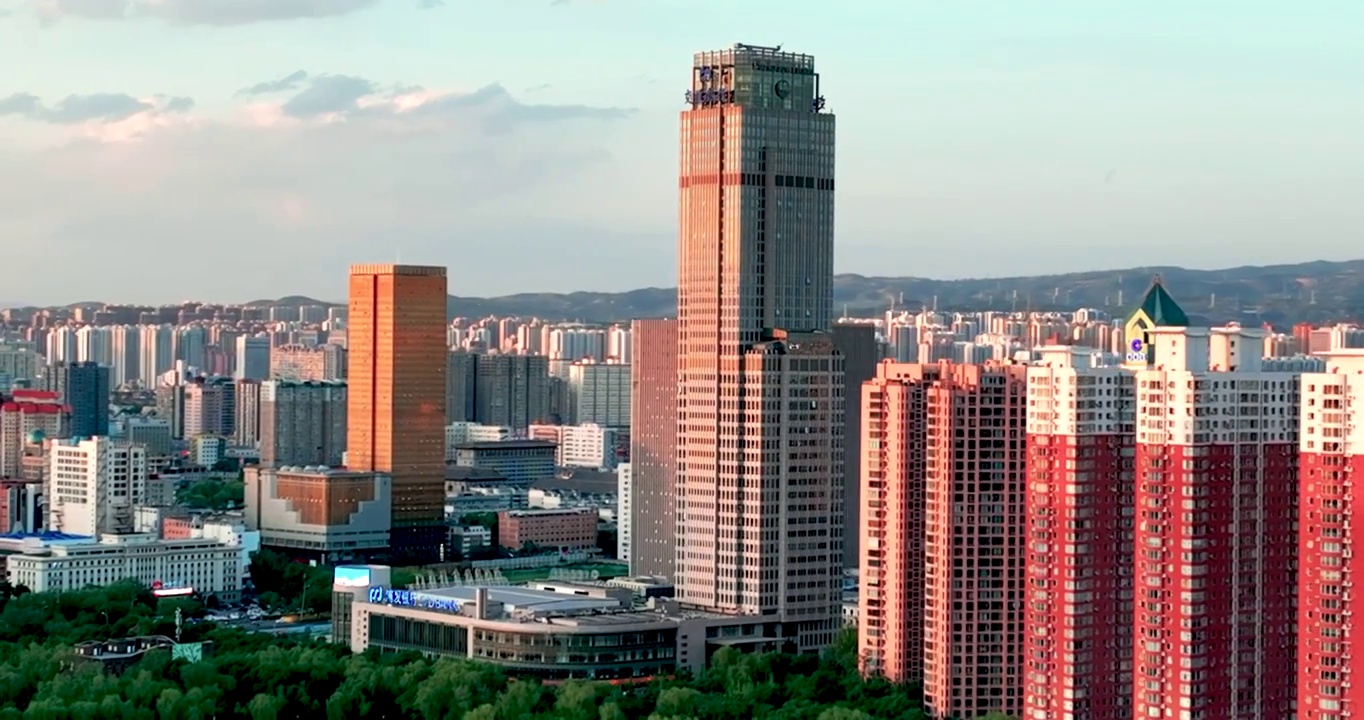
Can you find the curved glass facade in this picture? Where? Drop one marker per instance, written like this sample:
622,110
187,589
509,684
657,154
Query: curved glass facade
611,654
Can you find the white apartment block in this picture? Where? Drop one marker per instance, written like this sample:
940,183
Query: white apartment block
458,433
599,393
94,484
572,343
61,344
207,450
95,344
17,362
585,446
624,524
620,344
206,565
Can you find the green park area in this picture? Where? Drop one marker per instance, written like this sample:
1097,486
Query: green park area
265,677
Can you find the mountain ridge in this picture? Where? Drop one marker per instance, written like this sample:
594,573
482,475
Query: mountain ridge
1318,291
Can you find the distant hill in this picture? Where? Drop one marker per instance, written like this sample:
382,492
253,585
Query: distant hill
1317,292
1278,294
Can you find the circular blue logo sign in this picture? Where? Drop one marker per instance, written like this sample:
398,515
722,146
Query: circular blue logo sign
1136,345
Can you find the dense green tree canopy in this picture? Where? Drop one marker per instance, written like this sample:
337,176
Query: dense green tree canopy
212,494
263,677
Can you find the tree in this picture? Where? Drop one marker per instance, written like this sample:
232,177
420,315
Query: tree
608,541
270,678
290,586
577,700
212,494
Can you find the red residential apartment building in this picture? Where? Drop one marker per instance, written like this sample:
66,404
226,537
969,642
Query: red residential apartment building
1332,454
1161,511
1078,602
1215,556
942,554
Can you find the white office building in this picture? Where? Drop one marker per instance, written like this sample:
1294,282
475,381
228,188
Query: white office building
94,484
599,393
585,446
624,526
459,433
205,565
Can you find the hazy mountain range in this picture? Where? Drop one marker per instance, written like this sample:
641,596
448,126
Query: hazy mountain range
1280,294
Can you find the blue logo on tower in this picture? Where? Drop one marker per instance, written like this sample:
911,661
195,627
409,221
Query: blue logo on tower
376,594
1137,351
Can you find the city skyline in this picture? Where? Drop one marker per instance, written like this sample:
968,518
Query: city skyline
1182,137
1001,513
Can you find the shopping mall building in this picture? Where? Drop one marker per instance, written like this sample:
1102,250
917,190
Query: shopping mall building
550,630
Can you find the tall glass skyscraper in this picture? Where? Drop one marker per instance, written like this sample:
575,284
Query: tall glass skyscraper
396,409
86,389
760,386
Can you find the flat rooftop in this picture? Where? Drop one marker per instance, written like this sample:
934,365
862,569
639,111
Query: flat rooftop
539,602
508,445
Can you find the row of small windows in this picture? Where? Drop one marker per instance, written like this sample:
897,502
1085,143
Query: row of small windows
808,182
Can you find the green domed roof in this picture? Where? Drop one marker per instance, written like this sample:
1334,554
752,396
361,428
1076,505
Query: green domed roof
36,436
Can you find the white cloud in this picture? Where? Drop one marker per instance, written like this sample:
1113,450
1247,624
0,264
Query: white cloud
280,197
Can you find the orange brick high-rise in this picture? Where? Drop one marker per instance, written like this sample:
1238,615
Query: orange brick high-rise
396,409
942,552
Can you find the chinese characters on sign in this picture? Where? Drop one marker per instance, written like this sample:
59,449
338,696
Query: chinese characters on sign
706,98
407,598
714,88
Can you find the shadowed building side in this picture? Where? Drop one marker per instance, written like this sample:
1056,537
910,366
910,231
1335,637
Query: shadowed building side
653,447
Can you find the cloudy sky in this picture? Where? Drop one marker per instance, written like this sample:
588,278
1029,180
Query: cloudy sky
158,150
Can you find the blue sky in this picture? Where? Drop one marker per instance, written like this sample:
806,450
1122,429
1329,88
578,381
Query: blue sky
531,145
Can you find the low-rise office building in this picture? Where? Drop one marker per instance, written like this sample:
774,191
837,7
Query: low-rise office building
566,529
326,513
522,461
554,631
470,538
57,563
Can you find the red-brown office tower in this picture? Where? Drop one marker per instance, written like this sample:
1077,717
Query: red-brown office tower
760,385
653,447
396,408
1215,553
1078,603
944,450
1330,652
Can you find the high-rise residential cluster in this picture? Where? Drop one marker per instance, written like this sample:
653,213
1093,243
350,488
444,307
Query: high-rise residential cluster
1080,534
